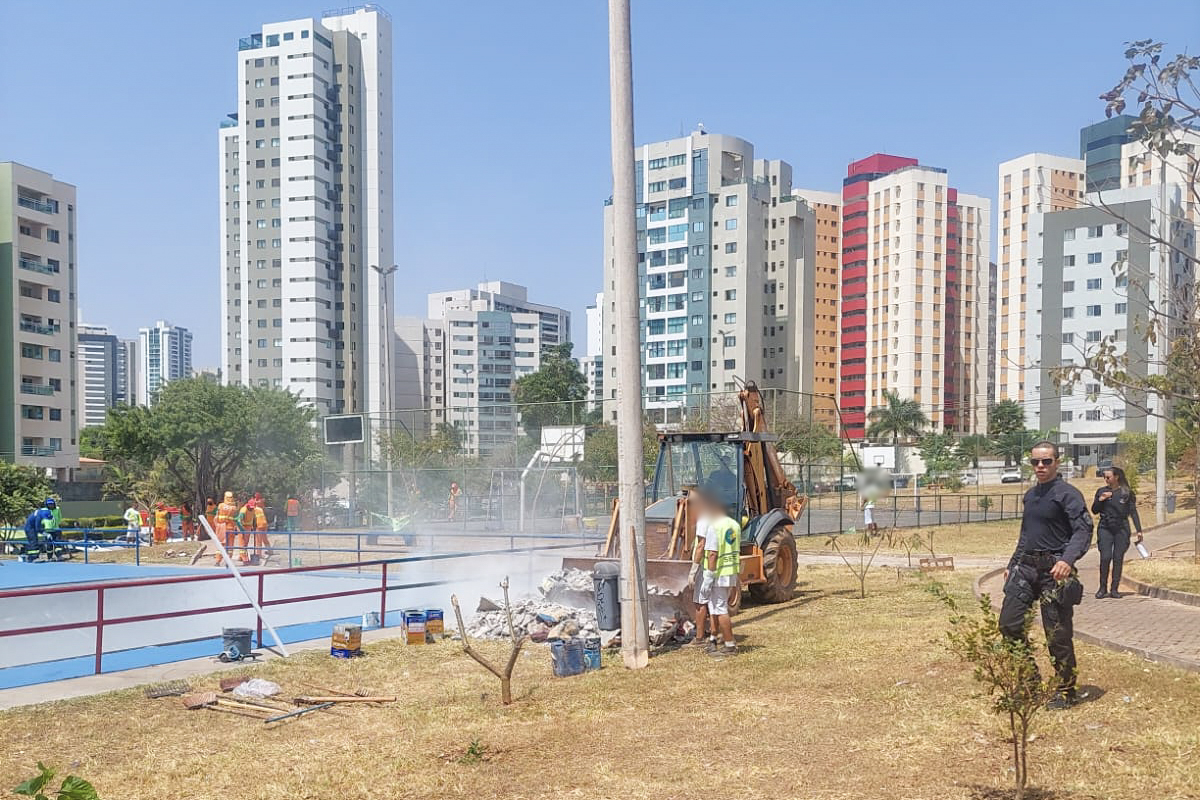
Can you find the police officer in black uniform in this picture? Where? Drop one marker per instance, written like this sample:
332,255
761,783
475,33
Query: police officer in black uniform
1056,530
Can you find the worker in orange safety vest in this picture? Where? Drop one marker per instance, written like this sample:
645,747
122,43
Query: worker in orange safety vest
162,523
226,526
245,524
262,545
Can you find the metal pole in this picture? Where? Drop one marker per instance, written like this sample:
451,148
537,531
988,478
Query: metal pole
635,640
1160,459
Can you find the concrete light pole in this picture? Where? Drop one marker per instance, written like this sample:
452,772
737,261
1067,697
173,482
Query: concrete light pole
635,639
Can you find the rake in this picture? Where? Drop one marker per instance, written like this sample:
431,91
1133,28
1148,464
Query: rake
210,700
168,689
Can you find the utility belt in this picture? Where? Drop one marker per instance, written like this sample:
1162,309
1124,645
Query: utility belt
1040,559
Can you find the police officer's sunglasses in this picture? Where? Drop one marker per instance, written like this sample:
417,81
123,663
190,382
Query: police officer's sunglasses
1041,462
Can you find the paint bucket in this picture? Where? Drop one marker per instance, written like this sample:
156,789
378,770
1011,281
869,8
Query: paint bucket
591,653
346,641
235,643
566,657
414,626
435,624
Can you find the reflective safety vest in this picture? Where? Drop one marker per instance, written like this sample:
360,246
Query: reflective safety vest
293,507
260,518
160,518
244,514
729,547
133,517
225,513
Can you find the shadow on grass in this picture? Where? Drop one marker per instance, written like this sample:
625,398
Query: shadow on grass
1090,694
755,612
1031,793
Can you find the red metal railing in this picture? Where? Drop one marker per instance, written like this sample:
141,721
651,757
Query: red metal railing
101,622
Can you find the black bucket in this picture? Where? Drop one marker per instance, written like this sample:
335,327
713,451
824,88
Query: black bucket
235,642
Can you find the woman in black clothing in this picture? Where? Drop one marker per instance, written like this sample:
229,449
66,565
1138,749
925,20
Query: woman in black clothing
1115,503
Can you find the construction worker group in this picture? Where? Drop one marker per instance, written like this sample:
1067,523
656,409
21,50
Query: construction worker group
244,527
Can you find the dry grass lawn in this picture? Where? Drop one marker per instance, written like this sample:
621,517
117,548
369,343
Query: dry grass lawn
1181,574
832,697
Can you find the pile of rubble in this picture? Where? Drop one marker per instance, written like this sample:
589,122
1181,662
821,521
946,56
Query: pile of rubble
566,608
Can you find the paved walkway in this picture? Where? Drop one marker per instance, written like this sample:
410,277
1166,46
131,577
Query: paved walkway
1158,630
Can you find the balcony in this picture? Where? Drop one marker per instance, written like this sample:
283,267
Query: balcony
36,327
36,266
37,388
45,206
37,450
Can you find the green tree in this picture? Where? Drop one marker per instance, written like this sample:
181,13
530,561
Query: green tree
900,418
940,455
553,394
22,489
809,442
974,447
1007,416
599,462
201,438
1013,446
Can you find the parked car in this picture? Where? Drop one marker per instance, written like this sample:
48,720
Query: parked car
969,479
848,483
1011,475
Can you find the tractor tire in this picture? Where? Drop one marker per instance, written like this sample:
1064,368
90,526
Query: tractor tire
779,567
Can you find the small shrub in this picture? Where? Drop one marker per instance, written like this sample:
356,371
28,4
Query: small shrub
72,788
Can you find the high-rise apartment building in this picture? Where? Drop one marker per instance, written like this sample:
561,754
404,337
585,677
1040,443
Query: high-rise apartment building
98,382
164,355
1140,166
37,320
592,362
1029,187
306,212
726,268
419,357
1100,279
914,294
1100,148
827,291
129,373
474,345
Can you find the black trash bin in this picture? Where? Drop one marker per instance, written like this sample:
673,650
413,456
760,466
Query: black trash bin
607,576
1169,500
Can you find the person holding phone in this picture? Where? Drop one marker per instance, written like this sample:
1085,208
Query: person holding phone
1115,503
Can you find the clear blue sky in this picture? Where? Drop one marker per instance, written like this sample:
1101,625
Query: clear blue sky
502,143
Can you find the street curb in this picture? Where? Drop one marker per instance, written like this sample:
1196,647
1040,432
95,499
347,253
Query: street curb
1100,641
1163,593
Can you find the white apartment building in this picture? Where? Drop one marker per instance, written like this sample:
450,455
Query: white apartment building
164,355
592,362
1100,278
726,269
98,383
419,358
1029,187
38,262
475,343
306,212
1142,167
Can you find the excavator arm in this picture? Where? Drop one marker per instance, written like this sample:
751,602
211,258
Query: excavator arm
767,485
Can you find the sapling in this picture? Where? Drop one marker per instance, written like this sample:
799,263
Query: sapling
72,787
864,541
1005,667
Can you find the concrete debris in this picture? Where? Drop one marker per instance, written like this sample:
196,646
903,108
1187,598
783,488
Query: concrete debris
525,613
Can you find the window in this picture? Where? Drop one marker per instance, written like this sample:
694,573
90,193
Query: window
54,354
677,160
54,295
56,414
1121,229
656,236
1095,231
1122,281
731,294
1068,416
731,272
731,363
1094,258
677,207
697,297
258,83
1068,261
677,183
1093,336
698,250
1093,311
1121,308
676,324
731,319
51,235
1068,286
731,201
697,227
1068,338
658,186
677,233
1068,313
731,247
1069,235
1122,255
731,224
656,163
1092,415
1094,283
